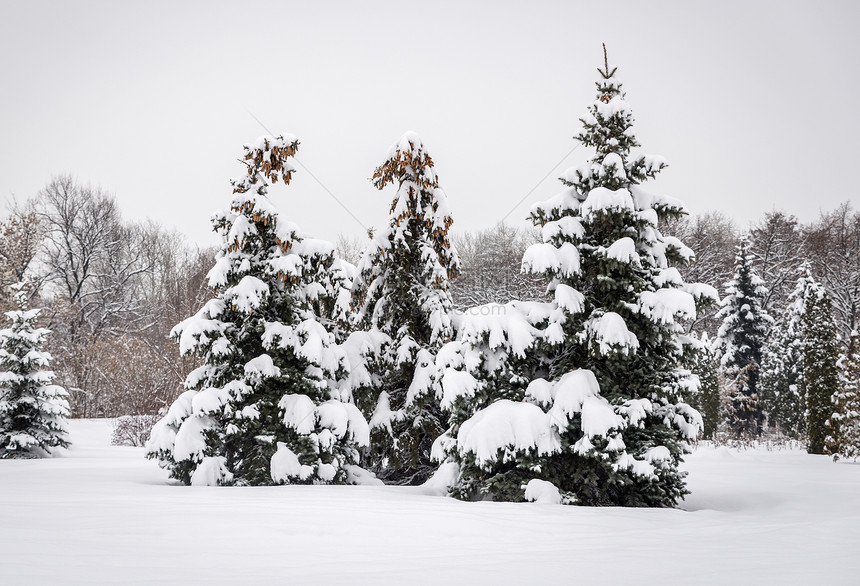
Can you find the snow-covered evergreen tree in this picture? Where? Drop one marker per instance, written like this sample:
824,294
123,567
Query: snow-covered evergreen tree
820,356
33,412
844,423
781,383
331,291
402,291
707,399
741,338
606,424
487,370
263,408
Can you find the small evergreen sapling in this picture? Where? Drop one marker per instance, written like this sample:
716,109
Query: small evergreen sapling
33,412
487,371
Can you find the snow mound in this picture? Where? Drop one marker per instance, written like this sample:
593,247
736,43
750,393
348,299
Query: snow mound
542,492
285,465
507,427
601,198
609,331
212,471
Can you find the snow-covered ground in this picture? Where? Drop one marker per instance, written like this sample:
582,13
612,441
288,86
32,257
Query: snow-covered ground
105,515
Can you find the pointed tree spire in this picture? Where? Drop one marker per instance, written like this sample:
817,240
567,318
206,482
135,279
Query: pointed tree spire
605,71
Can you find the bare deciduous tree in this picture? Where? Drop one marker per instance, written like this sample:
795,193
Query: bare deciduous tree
778,243
116,289
491,272
92,257
834,248
350,248
20,239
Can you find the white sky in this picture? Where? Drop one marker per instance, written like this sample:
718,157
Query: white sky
752,103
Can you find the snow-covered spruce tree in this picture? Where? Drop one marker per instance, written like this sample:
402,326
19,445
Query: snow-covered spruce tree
820,356
261,409
781,383
741,339
607,426
330,287
33,412
401,290
706,400
844,423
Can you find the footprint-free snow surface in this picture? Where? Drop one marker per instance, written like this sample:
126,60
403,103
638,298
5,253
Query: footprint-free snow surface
104,515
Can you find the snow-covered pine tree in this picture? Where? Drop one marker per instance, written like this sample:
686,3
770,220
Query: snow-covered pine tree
844,423
820,356
33,412
401,290
262,408
707,399
781,383
608,425
330,281
741,339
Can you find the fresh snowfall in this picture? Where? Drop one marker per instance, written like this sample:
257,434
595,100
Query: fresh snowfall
101,514
615,419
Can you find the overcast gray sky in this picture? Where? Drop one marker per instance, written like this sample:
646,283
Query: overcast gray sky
752,103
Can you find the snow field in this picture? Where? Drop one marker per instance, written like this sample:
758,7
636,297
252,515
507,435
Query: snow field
105,515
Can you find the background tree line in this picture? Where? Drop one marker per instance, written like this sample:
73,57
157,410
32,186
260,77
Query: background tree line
114,288
779,244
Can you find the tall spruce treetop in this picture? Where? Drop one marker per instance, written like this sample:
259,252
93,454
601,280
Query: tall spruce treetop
742,337
33,412
260,409
609,424
405,272
402,291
